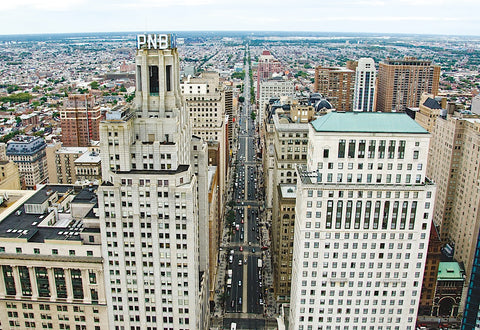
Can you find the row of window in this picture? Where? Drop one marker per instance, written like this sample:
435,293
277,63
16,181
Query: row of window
54,251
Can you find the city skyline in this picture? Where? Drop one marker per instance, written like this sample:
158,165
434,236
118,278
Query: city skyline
78,16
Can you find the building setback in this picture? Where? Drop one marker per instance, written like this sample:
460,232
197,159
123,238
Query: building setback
362,221
153,204
400,83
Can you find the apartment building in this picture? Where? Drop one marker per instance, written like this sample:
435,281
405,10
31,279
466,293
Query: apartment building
51,260
364,89
362,222
337,85
153,203
429,109
401,82
79,120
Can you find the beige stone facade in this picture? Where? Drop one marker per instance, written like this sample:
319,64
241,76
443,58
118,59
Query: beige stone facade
453,165
51,264
61,163
282,236
430,107
9,175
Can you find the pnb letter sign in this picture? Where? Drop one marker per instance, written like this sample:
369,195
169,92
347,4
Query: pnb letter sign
156,41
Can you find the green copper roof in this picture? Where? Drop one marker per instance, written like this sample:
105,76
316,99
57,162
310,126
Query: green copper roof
449,271
367,122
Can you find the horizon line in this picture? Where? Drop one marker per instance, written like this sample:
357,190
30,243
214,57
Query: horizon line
248,31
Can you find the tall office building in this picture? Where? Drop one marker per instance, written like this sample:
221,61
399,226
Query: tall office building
362,222
364,90
206,102
453,165
80,119
400,83
336,84
153,201
267,66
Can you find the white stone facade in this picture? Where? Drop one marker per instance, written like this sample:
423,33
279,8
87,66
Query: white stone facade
362,226
153,206
364,92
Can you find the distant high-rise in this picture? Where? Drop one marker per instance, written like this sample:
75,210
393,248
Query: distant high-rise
400,83
80,119
336,84
267,66
362,221
153,201
364,91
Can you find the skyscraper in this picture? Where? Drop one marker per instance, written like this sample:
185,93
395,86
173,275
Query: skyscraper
364,91
362,221
400,83
153,202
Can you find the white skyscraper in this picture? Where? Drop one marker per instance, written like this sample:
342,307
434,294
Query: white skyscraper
362,223
152,204
364,92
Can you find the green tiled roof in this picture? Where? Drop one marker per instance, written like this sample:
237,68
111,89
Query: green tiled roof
367,122
449,271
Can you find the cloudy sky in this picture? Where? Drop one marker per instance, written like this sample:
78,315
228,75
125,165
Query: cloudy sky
456,17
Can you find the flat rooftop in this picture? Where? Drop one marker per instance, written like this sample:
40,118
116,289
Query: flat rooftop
288,190
17,223
367,122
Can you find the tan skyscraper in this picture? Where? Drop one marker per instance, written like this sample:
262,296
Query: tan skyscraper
337,84
400,83
453,165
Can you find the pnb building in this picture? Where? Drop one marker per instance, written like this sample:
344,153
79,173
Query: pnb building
153,201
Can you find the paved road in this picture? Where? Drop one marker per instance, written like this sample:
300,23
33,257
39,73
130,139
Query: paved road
245,295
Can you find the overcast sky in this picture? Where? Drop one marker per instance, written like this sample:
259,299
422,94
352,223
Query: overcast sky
456,17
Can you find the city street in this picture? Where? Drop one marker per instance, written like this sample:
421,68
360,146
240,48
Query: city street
243,283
